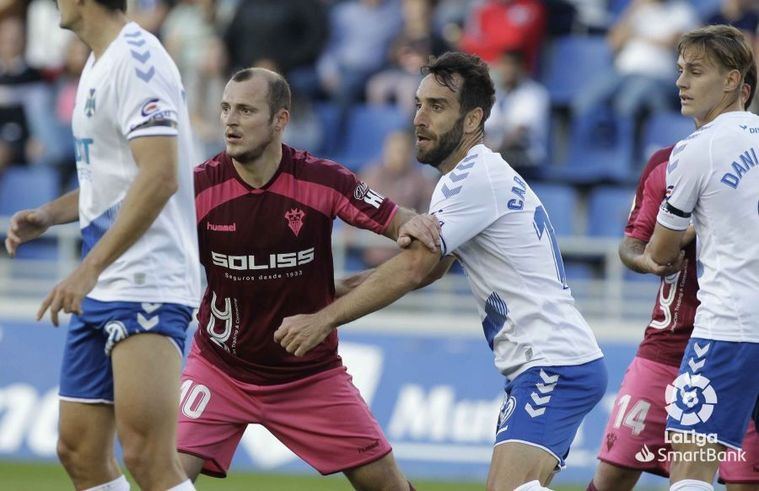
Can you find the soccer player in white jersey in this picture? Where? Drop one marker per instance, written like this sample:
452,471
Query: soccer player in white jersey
139,273
494,224
712,182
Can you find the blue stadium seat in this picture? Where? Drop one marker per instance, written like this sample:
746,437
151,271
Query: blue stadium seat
368,125
608,209
560,202
706,8
664,129
329,117
571,64
600,150
26,187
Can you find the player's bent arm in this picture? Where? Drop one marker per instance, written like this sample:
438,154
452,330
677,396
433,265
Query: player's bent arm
438,272
630,253
665,244
389,282
64,209
155,183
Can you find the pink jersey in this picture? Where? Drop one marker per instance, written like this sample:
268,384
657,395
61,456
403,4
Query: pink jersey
267,254
672,318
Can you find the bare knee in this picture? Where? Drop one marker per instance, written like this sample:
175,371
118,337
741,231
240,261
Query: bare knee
191,465
85,466
380,475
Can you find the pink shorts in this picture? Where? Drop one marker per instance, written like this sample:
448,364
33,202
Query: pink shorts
634,435
321,418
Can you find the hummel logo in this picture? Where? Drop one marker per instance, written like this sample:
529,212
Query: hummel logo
743,126
221,227
672,165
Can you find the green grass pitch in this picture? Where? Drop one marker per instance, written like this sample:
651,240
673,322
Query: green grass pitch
16,476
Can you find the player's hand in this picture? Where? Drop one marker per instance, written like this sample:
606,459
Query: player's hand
24,226
300,334
69,293
648,265
424,228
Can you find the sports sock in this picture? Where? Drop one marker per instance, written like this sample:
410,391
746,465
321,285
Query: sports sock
118,484
691,485
183,486
531,486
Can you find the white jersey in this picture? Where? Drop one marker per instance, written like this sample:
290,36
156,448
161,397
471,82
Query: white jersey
134,90
713,180
497,228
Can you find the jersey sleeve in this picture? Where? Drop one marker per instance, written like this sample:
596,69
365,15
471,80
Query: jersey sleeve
641,227
360,205
147,94
687,172
465,208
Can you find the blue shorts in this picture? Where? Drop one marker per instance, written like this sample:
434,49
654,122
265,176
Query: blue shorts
86,374
716,391
544,406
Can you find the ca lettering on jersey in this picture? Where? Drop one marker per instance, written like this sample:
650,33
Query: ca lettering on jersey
252,262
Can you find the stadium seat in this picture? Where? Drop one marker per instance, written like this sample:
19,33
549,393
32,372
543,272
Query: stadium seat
664,129
600,150
608,209
560,202
26,187
706,8
571,64
368,125
328,115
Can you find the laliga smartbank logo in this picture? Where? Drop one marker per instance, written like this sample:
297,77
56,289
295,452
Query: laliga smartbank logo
701,454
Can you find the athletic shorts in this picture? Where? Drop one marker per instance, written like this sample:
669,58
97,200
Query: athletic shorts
322,418
716,390
544,406
634,435
86,373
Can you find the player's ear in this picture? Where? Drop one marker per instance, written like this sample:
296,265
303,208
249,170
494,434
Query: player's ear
281,119
733,81
473,119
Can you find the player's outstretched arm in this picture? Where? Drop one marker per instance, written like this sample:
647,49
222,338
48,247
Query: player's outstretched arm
632,254
27,225
345,285
391,280
156,182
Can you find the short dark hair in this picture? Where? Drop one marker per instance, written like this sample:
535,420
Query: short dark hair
477,89
278,96
727,47
113,4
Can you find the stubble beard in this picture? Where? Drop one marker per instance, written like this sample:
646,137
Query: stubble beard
447,143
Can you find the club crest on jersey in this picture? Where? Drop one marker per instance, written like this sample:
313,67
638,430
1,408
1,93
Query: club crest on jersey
89,106
294,219
150,106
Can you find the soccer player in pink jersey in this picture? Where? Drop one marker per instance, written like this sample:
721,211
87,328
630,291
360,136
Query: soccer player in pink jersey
264,217
634,437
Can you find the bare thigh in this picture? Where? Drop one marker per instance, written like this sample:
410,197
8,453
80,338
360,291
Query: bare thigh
380,475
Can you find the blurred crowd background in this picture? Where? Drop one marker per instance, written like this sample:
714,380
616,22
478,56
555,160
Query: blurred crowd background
585,88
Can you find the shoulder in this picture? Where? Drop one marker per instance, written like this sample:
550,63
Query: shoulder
656,160
475,176
210,172
140,52
307,167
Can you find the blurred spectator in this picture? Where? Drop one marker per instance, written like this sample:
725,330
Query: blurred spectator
592,16
18,85
449,17
743,14
643,76
402,180
285,36
361,32
13,8
149,14
189,35
409,52
304,130
497,26
519,120
46,41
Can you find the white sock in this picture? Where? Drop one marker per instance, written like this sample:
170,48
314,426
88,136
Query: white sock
118,484
691,485
531,486
183,486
